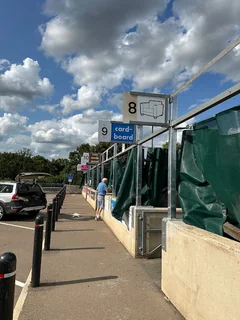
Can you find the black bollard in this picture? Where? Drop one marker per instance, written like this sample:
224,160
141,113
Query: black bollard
60,201
48,227
8,262
37,251
57,206
54,213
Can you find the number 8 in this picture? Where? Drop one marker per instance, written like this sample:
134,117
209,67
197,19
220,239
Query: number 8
132,107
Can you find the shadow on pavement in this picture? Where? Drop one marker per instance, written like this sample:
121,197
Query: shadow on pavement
23,217
73,230
63,283
71,218
87,248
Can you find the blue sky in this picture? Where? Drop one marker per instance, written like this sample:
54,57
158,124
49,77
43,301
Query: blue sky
64,64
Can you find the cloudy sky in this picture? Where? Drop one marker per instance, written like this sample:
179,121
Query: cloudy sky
65,63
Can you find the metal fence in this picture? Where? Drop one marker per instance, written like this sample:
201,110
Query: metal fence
172,128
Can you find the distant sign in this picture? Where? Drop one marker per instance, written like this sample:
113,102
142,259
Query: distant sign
85,158
93,158
70,177
116,132
84,167
148,109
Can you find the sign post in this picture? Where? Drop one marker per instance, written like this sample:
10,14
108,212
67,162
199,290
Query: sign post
82,167
85,158
93,158
70,177
148,109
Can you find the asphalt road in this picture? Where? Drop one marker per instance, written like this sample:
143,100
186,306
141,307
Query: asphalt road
17,235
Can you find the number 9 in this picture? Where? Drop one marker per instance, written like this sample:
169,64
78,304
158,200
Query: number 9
104,131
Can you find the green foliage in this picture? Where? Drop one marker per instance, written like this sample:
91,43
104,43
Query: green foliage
12,163
165,145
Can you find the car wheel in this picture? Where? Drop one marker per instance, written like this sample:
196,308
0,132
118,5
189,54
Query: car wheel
2,212
33,213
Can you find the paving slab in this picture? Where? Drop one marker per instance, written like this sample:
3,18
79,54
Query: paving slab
88,274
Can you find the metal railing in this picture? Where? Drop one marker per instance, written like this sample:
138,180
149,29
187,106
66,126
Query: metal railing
172,131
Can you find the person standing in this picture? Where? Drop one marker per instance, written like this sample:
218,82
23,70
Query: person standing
102,189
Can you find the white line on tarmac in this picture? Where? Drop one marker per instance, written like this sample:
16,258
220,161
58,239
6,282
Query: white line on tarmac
22,298
23,295
16,226
19,284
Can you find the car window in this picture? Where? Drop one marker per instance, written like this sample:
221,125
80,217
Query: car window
23,188
6,188
34,187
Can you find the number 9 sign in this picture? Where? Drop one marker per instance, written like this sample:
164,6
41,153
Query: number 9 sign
104,131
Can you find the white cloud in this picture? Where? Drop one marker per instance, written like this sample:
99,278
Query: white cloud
91,26
116,99
11,124
101,54
52,137
64,135
52,109
15,143
87,97
21,84
4,63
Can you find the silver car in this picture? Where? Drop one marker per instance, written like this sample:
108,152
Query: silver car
23,195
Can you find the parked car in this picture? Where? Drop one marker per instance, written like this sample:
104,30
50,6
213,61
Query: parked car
22,195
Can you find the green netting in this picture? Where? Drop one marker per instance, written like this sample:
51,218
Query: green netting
119,172
127,189
210,172
110,179
82,181
155,174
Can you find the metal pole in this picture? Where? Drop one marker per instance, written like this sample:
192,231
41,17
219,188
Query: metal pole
152,139
48,227
172,161
229,48
114,170
8,262
57,207
102,171
54,213
139,168
98,175
37,251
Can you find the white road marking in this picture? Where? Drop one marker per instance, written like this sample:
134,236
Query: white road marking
19,284
23,294
22,298
16,226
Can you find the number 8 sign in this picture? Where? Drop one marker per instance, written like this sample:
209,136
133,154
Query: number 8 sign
129,107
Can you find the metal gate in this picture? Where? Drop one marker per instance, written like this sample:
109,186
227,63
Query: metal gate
149,231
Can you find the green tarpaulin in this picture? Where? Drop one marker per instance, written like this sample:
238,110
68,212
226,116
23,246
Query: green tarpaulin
126,195
209,190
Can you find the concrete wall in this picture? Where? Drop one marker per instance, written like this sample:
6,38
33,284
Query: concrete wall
201,273
131,234
125,236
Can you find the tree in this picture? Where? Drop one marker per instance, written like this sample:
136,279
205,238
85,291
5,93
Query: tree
165,145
